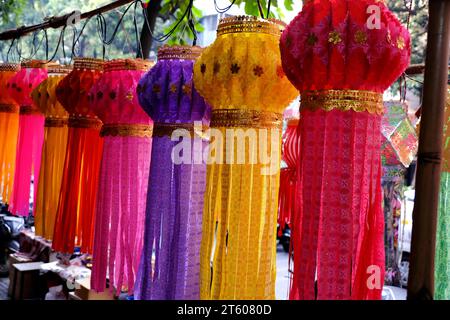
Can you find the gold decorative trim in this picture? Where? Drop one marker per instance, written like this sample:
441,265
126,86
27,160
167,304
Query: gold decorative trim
344,100
166,129
88,63
246,118
14,67
293,121
29,110
238,24
59,69
126,130
167,52
34,64
84,122
56,122
128,64
9,108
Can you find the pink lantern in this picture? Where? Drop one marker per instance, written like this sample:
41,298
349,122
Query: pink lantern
31,135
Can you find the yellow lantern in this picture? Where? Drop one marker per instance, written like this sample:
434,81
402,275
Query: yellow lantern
241,77
53,151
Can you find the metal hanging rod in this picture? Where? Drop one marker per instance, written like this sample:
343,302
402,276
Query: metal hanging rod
60,21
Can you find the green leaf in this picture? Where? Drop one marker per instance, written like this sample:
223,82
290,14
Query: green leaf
288,4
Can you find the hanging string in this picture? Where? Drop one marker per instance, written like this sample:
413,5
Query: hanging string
46,44
61,35
138,39
191,22
170,32
78,38
223,10
261,12
268,9
9,50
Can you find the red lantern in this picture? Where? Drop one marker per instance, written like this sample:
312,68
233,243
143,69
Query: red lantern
341,55
288,175
74,225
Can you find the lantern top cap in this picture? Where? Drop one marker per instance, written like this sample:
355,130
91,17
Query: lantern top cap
88,63
7,66
59,68
179,52
251,24
128,64
39,64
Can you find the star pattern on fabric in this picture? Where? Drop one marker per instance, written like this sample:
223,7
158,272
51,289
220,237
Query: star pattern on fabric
360,37
187,89
112,95
235,68
156,88
203,68
130,96
258,71
400,43
173,88
334,37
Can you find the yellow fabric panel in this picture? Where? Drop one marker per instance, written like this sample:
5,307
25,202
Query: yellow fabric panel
9,130
53,156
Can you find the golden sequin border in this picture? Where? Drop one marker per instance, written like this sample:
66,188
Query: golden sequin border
245,118
344,100
126,130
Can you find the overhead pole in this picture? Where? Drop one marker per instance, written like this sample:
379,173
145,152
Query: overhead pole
59,21
421,270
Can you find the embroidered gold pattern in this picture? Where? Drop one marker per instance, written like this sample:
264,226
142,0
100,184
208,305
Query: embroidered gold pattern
126,130
187,89
360,37
344,100
28,110
245,118
14,67
400,43
130,96
85,122
9,108
334,37
179,52
238,24
88,63
56,122
173,88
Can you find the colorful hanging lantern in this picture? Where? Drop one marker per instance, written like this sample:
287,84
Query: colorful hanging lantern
399,141
53,151
399,144
241,76
74,225
288,175
120,213
31,135
442,263
9,130
341,59
176,190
